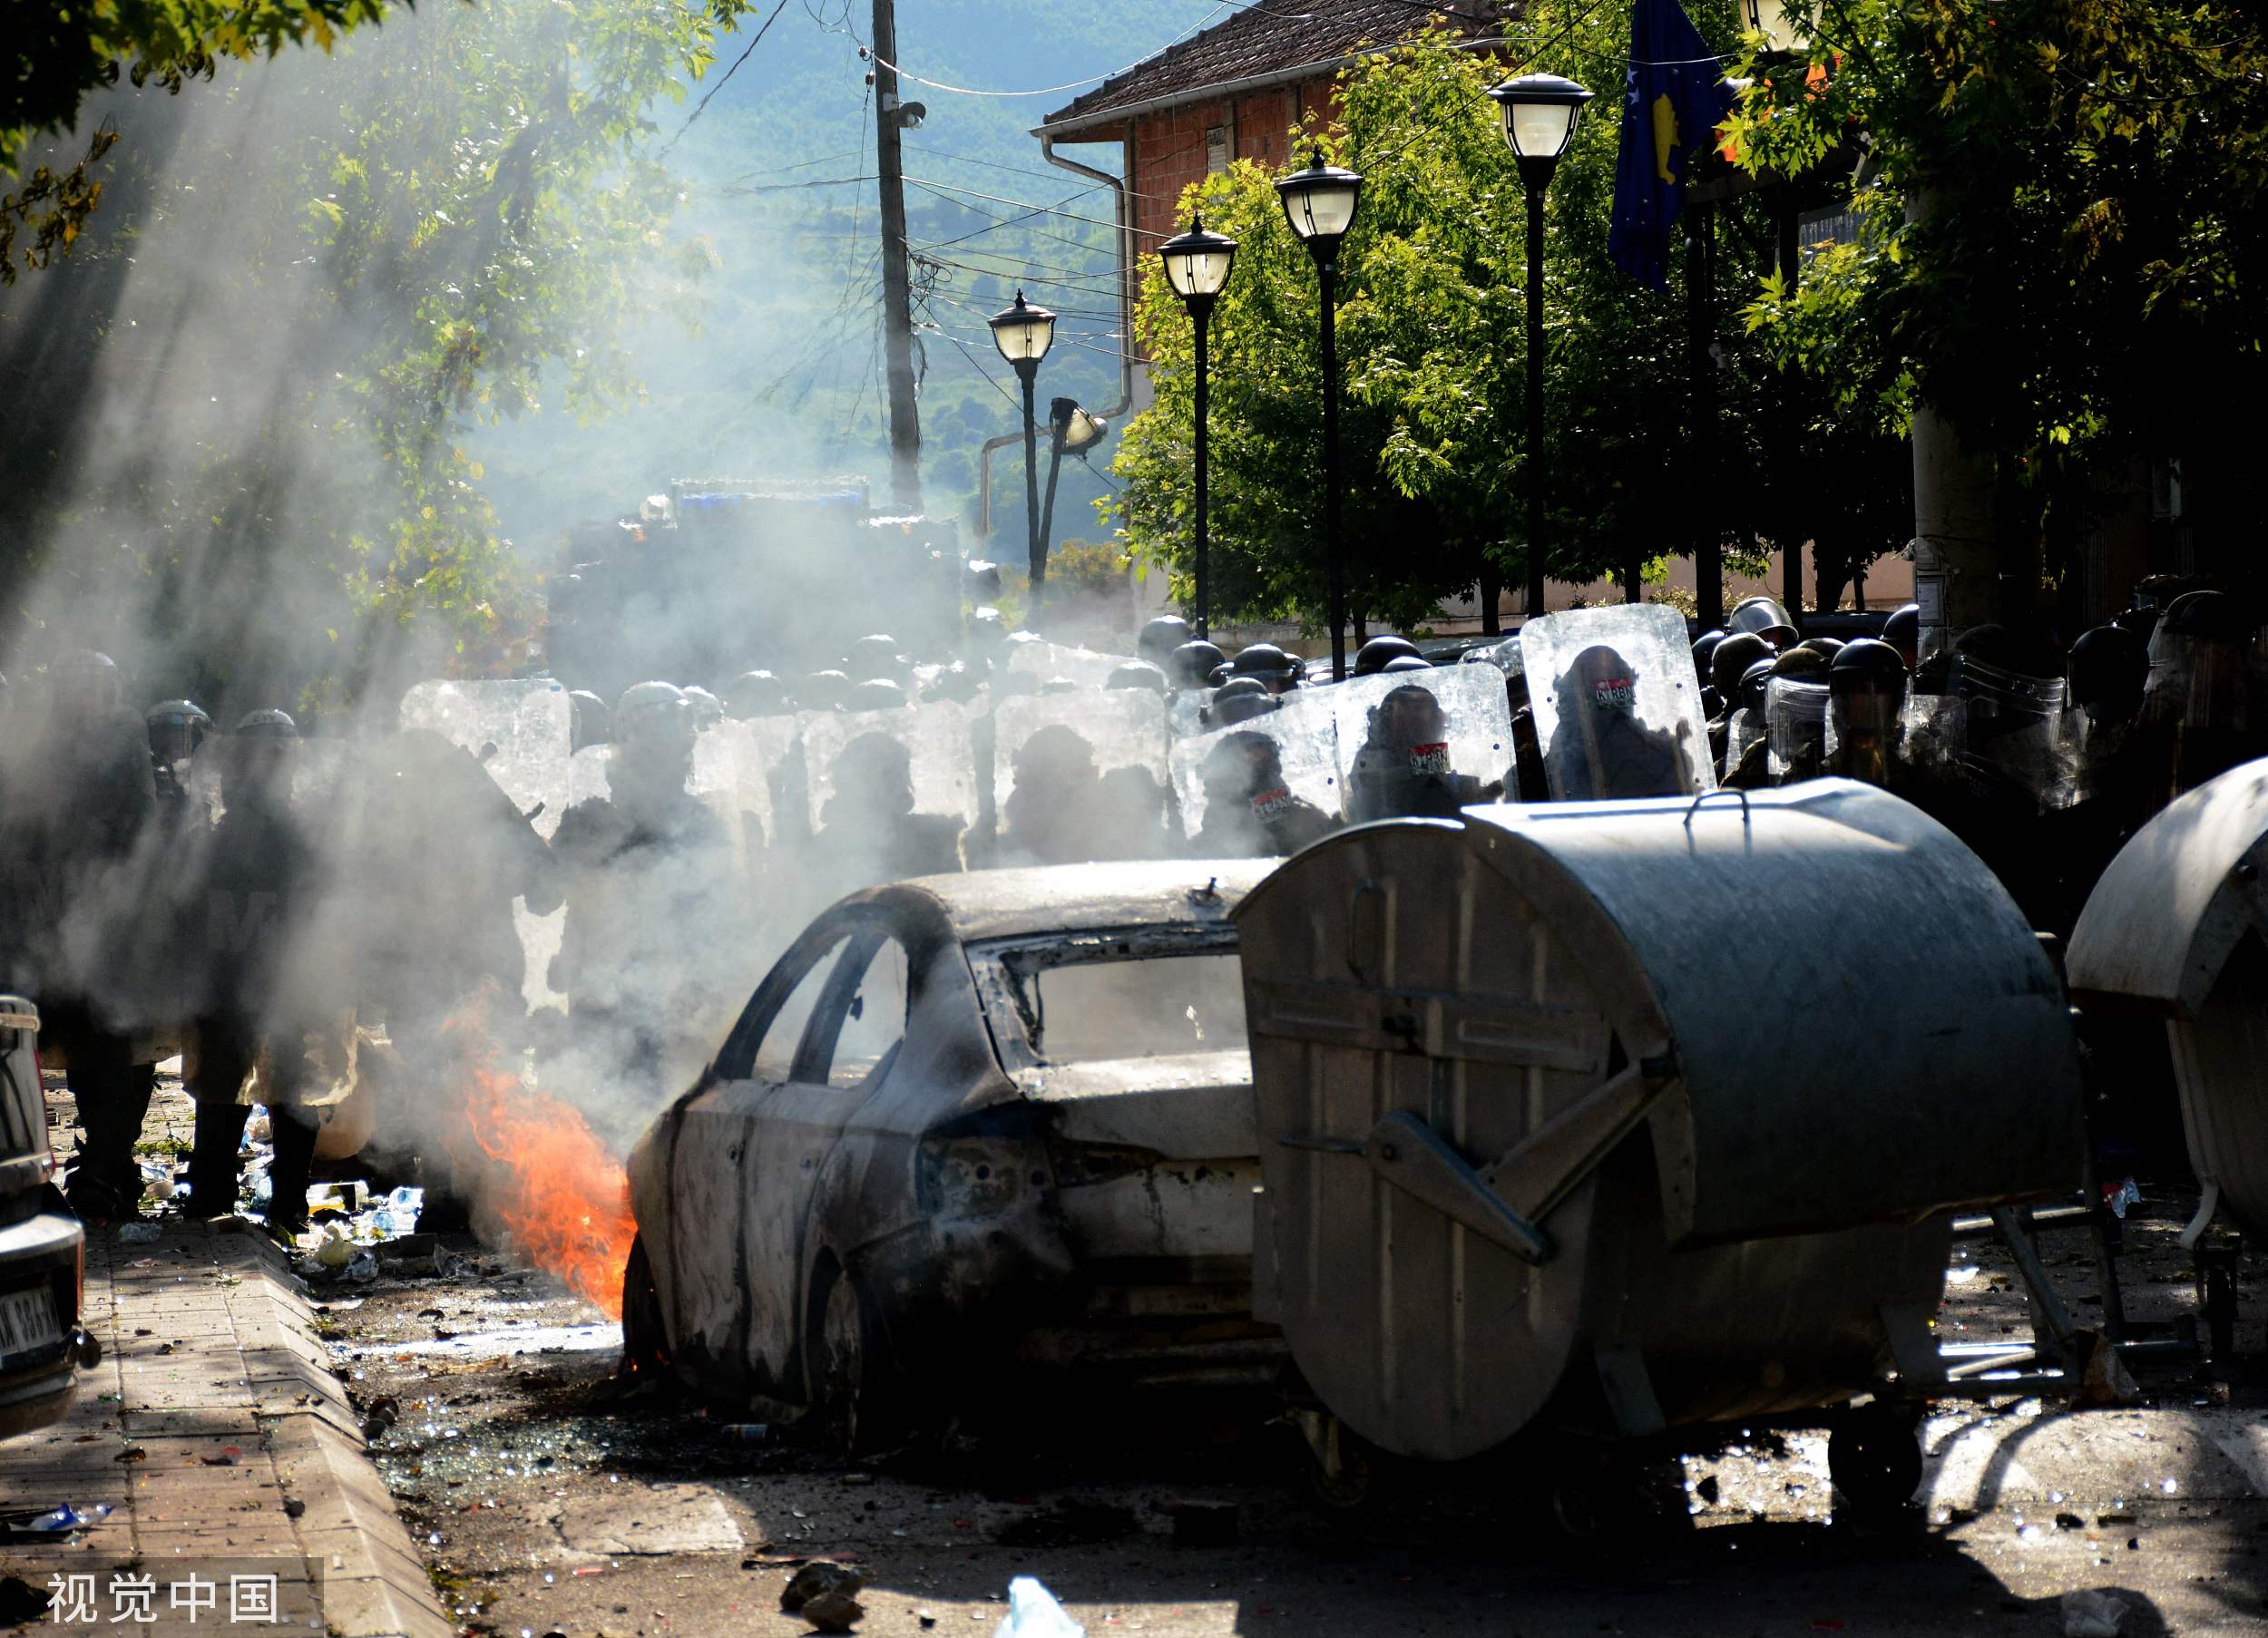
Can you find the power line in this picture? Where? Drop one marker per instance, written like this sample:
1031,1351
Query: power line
703,106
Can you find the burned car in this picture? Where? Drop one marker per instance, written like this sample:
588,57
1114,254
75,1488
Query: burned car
43,1248
973,1133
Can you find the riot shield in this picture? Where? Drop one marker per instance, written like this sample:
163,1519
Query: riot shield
936,736
1305,731
1043,661
521,732
1617,707
1074,776
1796,722
2014,733
1385,771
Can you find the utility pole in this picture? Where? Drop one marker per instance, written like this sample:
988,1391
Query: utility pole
897,314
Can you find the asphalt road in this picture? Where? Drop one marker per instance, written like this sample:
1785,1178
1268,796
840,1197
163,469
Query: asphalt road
550,1500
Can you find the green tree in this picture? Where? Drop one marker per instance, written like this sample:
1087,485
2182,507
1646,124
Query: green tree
1431,329
348,262
2066,227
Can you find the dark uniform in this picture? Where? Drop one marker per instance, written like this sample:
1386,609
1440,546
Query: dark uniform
1250,812
1402,767
869,833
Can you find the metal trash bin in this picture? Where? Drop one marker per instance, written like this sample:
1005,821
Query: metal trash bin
1831,1019
2177,927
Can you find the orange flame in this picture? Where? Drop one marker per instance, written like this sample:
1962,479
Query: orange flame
542,1172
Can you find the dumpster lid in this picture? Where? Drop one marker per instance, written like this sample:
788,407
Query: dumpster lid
2163,919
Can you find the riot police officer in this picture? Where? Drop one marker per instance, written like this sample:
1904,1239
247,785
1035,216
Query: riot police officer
1866,693
1373,656
1239,699
176,728
1601,748
1250,812
1403,766
1276,670
639,867
1196,665
261,1007
1138,674
1766,618
869,831
587,724
758,694
1160,638
78,807
1049,816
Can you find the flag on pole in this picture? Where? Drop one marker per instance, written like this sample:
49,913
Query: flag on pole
1674,97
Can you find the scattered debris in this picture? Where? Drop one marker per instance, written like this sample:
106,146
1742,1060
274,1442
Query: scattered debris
834,1612
818,1579
2092,1613
137,1234
1032,1613
1072,1522
2105,1380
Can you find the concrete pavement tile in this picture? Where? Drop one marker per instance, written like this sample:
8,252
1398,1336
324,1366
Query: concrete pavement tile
367,1606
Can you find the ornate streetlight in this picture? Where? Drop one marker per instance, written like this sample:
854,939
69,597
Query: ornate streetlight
1070,431
1319,202
1196,267
1540,113
1024,335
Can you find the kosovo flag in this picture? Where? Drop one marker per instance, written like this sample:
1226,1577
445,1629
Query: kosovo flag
1673,100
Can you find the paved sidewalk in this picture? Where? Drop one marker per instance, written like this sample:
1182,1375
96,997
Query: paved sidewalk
216,1432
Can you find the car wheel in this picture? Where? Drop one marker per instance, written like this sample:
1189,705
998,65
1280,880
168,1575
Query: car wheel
852,1386
645,1347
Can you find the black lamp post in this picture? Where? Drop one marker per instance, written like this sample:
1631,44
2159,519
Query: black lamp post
1783,27
1540,111
1071,430
1023,334
1196,267
1319,203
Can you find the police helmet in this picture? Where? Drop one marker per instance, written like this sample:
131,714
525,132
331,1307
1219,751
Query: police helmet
758,694
706,709
1267,662
1902,632
2110,666
1763,616
1800,665
1748,692
1730,660
652,712
1407,662
1866,666
1828,645
587,720
177,726
877,693
2212,615
1194,664
823,691
1243,706
1703,647
1137,674
89,681
1160,637
873,656
270,724
1375,655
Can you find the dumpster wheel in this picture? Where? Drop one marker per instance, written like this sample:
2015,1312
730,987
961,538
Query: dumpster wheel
1875,1460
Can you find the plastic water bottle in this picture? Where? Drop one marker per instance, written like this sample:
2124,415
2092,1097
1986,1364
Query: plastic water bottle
403,1207
1032,1613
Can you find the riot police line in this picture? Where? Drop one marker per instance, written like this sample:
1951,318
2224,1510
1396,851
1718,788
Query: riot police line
313,917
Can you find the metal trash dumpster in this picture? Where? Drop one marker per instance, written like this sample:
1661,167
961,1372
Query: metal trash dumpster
2175,927
1831,1021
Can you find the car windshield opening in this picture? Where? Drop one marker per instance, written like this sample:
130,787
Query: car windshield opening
1119,996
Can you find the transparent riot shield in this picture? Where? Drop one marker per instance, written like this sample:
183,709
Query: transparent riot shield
1304,729
521,731
1617,707
936,736
1796,722
1933,733
1043,661
2014,733
1863,730
1397,758
1081,777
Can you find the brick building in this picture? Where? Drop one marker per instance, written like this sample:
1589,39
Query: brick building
1234,92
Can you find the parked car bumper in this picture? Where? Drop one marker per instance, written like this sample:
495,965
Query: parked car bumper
43,1254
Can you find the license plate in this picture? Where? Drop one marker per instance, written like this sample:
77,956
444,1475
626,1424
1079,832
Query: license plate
27,1322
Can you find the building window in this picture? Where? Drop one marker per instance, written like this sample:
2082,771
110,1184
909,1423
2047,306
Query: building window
1217,149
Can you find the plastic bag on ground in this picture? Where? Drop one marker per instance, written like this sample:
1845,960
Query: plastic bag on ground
1032,1613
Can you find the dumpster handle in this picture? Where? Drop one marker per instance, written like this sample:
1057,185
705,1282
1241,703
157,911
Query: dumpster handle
1720,791
1354,915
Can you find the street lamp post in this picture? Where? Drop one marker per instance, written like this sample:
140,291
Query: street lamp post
1540,111
1783,27
1071,430
1319,203
1024,335
1196,267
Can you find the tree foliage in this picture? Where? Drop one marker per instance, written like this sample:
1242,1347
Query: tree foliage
1431,334
2065,228
348,262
